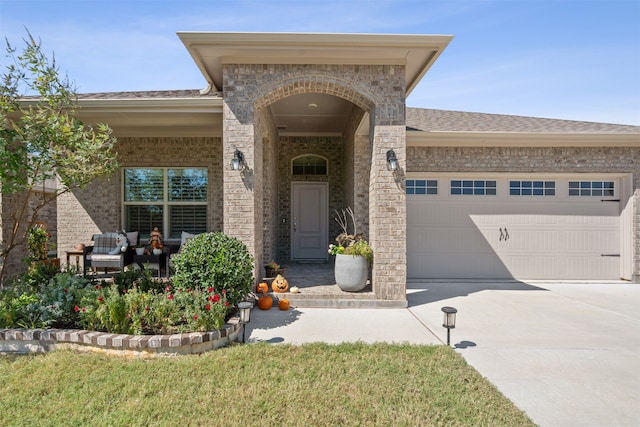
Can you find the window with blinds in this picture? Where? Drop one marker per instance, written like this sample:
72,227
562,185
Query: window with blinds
173,199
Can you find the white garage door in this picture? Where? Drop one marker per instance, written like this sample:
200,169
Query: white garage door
513,227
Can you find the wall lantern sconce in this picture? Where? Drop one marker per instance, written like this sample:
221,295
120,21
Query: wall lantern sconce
245,315
237,163
449,321
392,160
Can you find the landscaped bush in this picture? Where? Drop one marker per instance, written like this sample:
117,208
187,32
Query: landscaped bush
49,304
215,260
169,311
134,304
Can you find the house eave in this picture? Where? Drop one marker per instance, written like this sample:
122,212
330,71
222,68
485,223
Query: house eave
211,50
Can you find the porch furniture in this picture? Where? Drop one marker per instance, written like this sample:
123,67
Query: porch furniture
77,254
98,256
151,261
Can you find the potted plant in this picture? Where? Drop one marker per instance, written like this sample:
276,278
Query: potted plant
273,269
353,256
140,249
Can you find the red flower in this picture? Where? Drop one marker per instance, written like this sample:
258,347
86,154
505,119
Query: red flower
216,298
226,303
207,307
195,317
66,291
100,299
76,308
210,298
224,291
210,289
98,287
53,306
84,309
124,291
170,296
168,288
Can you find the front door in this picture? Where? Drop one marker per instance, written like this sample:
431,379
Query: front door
309,221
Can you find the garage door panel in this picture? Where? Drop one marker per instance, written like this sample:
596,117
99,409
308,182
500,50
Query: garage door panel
512,237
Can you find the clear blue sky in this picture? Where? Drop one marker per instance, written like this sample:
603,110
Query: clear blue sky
570,59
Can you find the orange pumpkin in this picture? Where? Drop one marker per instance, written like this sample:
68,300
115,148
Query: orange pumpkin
262,288
265,302
280,284
283,304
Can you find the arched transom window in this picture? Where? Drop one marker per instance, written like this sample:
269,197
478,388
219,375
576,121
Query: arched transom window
309,164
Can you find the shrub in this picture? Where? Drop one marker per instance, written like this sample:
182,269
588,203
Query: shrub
166,312
52,305
140,279
217,261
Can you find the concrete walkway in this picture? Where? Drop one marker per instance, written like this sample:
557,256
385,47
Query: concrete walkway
566,353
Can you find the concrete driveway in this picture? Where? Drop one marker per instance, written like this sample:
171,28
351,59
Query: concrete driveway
568,354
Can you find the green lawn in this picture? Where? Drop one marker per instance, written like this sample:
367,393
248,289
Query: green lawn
255,385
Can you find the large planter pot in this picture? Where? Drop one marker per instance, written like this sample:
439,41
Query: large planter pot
351,272
273,272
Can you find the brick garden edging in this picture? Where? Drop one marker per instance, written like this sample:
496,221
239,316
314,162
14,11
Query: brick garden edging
25,341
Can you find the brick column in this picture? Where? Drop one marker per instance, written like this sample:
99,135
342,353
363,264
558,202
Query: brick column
387,213
242,189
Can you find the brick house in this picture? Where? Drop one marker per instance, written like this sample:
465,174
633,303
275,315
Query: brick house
311,120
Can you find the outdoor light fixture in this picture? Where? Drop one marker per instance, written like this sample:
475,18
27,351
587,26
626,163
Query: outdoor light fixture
449,321
392,160
245,315
237,163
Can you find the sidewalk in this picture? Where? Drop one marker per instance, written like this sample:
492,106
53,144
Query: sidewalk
567,354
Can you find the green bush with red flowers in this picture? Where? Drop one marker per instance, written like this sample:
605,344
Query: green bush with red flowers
133,304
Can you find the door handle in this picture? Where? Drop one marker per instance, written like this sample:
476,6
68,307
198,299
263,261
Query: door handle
504,235
295,225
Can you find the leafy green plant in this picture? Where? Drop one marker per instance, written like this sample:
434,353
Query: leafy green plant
37,243
217,261
42,140
360,248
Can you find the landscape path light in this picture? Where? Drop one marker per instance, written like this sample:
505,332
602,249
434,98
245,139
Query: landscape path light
245,315
449,321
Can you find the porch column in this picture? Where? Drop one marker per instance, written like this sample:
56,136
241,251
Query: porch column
242,215
387,212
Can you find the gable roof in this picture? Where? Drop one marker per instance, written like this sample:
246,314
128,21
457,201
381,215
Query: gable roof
211,50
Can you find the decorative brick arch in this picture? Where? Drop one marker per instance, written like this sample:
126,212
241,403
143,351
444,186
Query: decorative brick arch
325,83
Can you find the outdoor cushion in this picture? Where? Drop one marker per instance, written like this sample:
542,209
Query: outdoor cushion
104,243
132,237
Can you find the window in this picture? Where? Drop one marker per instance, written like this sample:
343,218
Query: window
591,188
174,199
470,187
422,186
532,188
309,165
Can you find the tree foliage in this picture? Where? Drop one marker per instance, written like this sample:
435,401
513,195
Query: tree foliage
41,138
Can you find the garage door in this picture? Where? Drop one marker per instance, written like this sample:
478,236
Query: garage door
513,227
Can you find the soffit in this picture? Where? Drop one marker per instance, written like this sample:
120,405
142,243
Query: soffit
210,50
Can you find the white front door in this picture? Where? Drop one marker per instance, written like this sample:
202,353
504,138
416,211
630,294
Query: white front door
309,221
